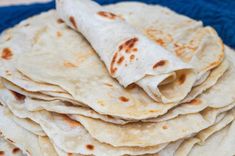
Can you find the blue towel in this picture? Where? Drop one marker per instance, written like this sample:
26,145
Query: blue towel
219,14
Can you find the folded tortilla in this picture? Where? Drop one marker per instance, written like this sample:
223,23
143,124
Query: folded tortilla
54,61
129,56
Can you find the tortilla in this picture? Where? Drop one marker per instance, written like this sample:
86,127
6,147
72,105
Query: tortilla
212,97
71,137
122,103
170,149
23,139
194,106
37,95
130,57
47,147
144,134
89,77
116,105
29,125
53,99
60,128
221,143
6,148
202,136
146,68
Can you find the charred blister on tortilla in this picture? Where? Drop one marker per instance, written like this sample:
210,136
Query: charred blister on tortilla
6,54
109,15
18,96
123,99
159,37
90,147
126,49
160,64
15,150
73,22
60,21
182,78
196,101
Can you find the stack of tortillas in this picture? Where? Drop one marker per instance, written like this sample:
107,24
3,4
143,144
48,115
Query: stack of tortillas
123,79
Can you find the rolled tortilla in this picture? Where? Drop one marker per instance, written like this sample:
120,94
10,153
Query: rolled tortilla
129,56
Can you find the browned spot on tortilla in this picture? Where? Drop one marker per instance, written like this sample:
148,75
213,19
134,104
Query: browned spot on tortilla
110,117
135,49
18,96
121,59
123,99
164,126
58,34
182,78
120,47
153,111
195,102
7,54
179,49
72,20
60,21
131,86
108,84
10,140
112,68
70,154
2,153
118,58
132,57
108,15
70,122
15,150
26,25
69,64
90,147
159,64
129,45
158,36
160,42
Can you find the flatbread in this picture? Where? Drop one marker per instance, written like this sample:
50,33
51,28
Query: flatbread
150,60
103,103
7,148
22,138
47,147
145,134
202,136
29,125
221,143
68,134
108,97
122,103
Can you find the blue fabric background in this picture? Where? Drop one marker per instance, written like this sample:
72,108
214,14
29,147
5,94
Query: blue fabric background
218,13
